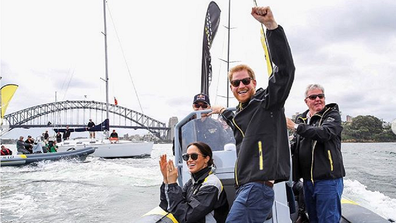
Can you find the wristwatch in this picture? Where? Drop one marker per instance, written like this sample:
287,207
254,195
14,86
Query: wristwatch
295,127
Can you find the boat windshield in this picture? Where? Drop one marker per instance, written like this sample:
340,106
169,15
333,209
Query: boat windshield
215,133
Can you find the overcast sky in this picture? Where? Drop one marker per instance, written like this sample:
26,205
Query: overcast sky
52,46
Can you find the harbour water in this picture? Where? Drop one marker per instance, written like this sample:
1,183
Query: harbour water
121,190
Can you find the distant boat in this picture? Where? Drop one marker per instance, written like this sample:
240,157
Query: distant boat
25,159
104,147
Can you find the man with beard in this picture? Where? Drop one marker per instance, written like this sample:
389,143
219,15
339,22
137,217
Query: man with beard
259,126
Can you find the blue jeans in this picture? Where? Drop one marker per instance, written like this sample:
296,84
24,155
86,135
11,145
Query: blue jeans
323,200
253,203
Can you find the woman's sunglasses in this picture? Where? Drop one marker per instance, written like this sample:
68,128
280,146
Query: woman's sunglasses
194,156
245,81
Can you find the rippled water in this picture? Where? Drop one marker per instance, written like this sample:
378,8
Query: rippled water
370,176
121,190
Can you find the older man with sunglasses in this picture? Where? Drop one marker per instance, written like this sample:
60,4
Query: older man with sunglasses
259,126
317,156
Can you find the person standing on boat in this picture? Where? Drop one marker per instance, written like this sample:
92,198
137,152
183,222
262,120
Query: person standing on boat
317,156
46,136
259,125
202,198
5,151
66,134
91,124
58,137
209,130
21,146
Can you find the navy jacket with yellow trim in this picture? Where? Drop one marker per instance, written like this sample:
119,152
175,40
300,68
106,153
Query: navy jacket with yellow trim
321,137
201,200
260,126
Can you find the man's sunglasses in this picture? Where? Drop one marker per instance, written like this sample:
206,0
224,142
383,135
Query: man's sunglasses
245,81
313,96
196,105
194,156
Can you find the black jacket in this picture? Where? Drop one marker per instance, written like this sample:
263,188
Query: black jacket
321,137
260,125
202,199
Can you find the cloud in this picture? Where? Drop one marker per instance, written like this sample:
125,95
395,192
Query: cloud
347,46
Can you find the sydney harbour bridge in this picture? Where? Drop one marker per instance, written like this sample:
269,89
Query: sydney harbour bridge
77,114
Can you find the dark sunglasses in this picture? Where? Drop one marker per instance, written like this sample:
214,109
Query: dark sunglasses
194,156
313,97
196,105
245,81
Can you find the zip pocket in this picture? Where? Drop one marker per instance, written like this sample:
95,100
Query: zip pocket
236,172
260,155
330,159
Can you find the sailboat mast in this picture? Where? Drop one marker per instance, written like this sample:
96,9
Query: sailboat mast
106,65
228,51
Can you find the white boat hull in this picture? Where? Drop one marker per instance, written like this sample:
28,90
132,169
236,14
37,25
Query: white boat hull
105,149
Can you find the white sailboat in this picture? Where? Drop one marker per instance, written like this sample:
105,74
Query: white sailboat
104,147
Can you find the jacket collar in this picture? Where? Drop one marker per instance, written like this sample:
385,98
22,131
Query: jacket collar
328,107
201,175
241,106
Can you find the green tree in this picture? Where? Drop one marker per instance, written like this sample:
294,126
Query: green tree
367,128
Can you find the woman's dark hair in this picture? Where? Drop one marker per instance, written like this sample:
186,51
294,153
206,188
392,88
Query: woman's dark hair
204,149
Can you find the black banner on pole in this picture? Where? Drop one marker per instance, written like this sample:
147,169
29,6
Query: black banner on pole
212,20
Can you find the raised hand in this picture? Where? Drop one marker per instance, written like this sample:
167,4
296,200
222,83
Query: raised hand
163,163
172,172
264,15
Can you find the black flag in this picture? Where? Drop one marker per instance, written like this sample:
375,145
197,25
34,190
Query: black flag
212,20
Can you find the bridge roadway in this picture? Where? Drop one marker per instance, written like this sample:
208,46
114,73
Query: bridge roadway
43,116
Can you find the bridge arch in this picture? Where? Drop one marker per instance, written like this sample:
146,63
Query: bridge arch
35,116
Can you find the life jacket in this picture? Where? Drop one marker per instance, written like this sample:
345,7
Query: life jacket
6,152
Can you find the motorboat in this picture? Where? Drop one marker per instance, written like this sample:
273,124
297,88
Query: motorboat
26,159
105,148
224,156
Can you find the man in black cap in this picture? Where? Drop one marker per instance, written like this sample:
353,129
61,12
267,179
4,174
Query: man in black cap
209,130
201,102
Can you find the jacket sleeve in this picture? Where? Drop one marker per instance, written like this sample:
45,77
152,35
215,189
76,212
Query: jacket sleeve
163,202
328,130
281,79
197,208
227,116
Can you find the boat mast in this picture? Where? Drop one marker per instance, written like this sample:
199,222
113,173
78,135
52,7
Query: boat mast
106,80
228,52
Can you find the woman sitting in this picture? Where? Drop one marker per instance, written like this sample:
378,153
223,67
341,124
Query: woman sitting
52,147
202,198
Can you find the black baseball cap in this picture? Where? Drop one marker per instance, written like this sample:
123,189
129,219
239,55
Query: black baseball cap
201,98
